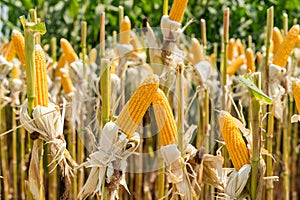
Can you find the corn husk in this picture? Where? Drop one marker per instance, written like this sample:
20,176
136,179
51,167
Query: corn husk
112,152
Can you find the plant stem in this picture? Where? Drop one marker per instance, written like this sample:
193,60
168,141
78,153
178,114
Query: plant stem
256,138
4,156
225,55
121,16
203,35
160,179
180,106
53,48
105,90
270,23
83,45
165,7
14,155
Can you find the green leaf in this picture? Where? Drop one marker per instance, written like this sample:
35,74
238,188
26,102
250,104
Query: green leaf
40,27
254,90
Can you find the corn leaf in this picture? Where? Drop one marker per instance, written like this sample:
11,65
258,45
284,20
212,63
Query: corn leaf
254,90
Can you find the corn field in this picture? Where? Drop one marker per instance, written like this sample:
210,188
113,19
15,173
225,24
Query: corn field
150,112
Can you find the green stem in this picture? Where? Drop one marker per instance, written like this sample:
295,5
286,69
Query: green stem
203,35
270,23
160,180
53,49
269,161
121,16
165,7
14,155
83,45
180,106
256,138
105,90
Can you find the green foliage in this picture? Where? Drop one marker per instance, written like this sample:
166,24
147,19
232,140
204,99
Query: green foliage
62,18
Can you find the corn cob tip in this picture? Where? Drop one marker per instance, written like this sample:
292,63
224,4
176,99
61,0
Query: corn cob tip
296,94
125,31
68,50
177,10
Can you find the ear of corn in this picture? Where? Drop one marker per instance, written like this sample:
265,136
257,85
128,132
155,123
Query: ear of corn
134,110
235,144
15,72
250,60
235,65
10,52
41,85
258,58
3,47
177,10
231,46
298,42
277,39
60,64
196,51
19,44
125,31
286,47
240,47
66,81
68,50
164,119
296,94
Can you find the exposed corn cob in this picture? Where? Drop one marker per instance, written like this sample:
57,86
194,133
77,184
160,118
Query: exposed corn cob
286,47
258,58
19,44
3,47
41,85
250,60
231,46
177,10
93,55
66,81
15,72
125,31
68,50
235,144
196,51
240,47
296,94
235,65
164,119
60,64
10,52
298,41
277,39
134,110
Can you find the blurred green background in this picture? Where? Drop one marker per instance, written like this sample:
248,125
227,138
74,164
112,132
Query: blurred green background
63,18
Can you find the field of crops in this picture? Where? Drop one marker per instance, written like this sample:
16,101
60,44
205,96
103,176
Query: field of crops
150,112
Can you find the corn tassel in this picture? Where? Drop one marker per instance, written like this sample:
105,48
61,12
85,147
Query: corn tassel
164,119
231,48
177,10
19,43
277,39
235,144
286,47
41,86
240,47
250,60
10,52
134,110
125,31
196,51
68,50
60,64
296,94
235,65
66,82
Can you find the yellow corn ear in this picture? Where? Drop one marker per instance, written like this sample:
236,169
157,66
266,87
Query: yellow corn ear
41,85
286,47
19,44
259,58
15,72
177,10
3,47
298,41
134,110
196,51
235,65
231,49
60,64
68,50
164,119
10,52
296,94
240,47
250,60
235,144
277,39
93,55
125,31
66,82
